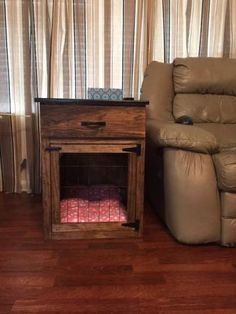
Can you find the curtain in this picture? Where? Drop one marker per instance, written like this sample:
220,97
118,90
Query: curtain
17,145
52,48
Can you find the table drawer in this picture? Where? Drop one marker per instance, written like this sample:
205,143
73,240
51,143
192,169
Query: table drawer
63,121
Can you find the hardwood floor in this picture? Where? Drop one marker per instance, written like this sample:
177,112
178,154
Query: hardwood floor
150,275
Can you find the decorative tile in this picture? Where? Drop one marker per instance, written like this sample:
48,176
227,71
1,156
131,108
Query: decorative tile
105,93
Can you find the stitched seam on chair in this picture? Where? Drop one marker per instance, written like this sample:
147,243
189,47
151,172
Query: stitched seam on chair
186,140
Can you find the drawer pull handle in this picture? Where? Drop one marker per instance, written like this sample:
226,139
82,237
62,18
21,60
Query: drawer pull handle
93,124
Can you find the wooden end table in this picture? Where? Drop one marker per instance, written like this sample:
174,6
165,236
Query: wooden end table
74,133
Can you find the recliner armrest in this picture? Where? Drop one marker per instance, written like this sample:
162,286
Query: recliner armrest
188,137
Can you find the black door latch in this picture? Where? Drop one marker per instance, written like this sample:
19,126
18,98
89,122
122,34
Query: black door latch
136,149
134,225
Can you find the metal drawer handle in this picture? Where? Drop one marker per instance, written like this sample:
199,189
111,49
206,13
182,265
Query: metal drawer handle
93,124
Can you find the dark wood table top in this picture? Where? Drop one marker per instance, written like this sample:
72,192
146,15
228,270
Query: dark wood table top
92,102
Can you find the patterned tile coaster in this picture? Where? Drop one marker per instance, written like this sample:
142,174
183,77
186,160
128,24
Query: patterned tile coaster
105,93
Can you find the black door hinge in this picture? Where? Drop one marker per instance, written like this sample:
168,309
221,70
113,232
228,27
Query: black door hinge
133,225
53,148
136,149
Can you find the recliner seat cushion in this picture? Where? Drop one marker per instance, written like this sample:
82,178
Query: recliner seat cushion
228,204
225,164
228,232
225,134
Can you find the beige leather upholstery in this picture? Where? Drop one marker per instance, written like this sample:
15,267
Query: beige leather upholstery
206,108
182,136
191,169
225,164
158,88
228,204
205,76
228,231
224,133
189,204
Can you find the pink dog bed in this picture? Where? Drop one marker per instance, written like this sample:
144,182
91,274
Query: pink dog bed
96,203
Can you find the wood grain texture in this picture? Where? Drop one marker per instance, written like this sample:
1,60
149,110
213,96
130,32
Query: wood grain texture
132,175
55,187
150,275
46,188
60,121
140,187
85,231
79,126
91,231
108,147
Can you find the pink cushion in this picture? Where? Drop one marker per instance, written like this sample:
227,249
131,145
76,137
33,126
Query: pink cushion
97,203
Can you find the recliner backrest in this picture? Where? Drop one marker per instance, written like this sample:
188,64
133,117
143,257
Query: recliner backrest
205,89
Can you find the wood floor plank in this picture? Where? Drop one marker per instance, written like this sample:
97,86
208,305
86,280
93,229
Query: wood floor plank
5,308
22,279
134,305
154,274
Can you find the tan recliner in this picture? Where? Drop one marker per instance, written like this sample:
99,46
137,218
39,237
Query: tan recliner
191,169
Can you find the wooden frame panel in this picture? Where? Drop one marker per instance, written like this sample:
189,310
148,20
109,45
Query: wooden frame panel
99,229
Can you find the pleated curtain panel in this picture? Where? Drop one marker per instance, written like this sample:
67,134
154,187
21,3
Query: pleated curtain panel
60,48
